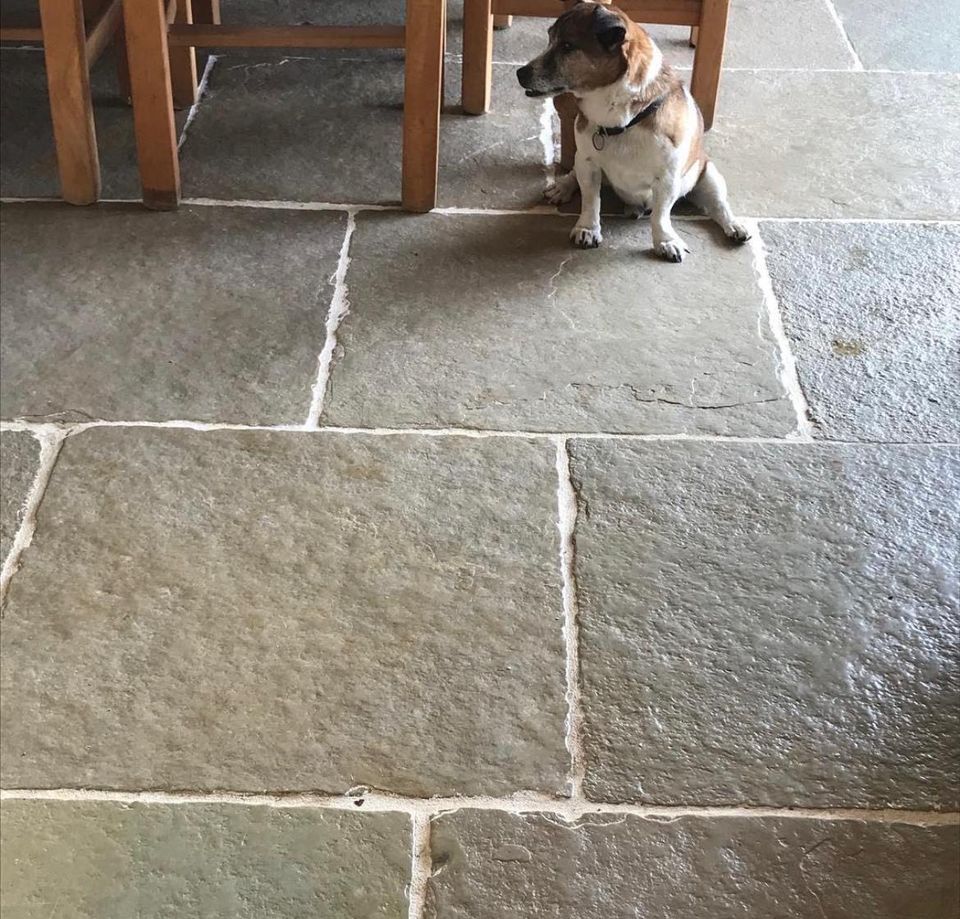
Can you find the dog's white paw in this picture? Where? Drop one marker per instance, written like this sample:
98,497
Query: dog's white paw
671,250
562,190
586,237
737,231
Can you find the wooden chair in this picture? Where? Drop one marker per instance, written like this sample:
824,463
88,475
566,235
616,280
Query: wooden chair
161,37
70,49
707,19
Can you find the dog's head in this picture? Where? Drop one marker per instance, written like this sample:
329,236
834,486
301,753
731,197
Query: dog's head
586,51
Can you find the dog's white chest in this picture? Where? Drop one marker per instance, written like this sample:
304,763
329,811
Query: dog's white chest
631,161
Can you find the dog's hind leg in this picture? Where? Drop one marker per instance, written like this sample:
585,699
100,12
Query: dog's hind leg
710,194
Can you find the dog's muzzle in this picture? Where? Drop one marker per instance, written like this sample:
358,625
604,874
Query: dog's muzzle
525,76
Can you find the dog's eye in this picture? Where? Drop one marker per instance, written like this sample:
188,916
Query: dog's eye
566,47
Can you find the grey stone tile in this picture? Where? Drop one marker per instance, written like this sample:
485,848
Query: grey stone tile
820,144
903,34
772,625
873,316
98,860
760,33
28,161
496,322
489,865
19,458
209,314
263,611
313,129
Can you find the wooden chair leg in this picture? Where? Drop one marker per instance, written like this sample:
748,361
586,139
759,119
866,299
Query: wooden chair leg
567,109
183,63
477,56
71,107
145,22
708,60
502,22
694,36
122,64
425,27
206,12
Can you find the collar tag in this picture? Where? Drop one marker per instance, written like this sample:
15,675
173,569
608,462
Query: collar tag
599,140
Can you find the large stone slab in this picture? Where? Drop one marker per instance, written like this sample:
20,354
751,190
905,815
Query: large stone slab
19,456
872,312
820,145
489,865
316,129
98,860
496,322
257,611
771,625
903,34
222,322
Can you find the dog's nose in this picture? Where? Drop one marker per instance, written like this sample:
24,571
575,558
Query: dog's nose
524,74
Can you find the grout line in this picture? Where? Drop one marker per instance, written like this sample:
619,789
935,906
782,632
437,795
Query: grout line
289,205
787,371
566,524
421,867
524,802
832,10
201,91
69,429
51,440
339,307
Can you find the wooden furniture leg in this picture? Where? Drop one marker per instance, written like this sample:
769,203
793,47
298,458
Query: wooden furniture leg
145,22
183,63
477,55
423,73
567,109
708,60
206,12
502,22
694,36
71,108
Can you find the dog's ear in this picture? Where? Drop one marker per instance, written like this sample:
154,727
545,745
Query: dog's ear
608,28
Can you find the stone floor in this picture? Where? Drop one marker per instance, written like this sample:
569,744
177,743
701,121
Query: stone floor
360,564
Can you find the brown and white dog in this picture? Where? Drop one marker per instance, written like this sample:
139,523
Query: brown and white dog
638,126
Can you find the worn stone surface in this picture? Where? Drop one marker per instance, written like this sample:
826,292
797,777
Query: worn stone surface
785,143
490,865
28,160
312,129
760,33
903,34
265,611
872,312
496,322
223,323
19,455
98,860
769,624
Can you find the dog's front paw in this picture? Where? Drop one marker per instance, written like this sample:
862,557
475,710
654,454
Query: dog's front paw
671,250
562,190
737,231
586,237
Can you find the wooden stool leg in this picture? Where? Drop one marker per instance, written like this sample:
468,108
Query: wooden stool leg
183,64
694,36
502,22
206,12
71,108
477,56
145,22
707,62
567,109
425,27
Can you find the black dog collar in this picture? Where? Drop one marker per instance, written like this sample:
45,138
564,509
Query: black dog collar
601,134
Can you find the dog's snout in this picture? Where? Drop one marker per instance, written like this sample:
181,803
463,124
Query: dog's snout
525,75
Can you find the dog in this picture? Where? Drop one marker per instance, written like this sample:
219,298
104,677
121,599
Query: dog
638,127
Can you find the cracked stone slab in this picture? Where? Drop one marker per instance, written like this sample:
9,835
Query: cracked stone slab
272,612
785,142
496,322
489,865
101,860
903,34
761,33
311,129
872,312
223,323
770,625
28,160
19,460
